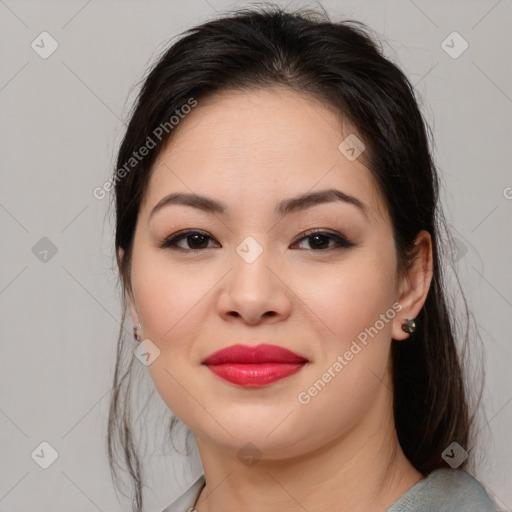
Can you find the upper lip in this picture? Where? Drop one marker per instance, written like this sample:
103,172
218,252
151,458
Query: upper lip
261,353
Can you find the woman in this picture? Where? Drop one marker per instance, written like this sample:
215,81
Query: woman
278,243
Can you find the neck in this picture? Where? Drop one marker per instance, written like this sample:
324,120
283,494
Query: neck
359,471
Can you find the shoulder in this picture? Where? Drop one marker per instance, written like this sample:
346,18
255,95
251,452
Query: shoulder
447,490
444,489
185,502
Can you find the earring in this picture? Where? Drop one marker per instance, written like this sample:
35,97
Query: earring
409,325
135,335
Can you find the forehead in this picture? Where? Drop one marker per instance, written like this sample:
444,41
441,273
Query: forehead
265,143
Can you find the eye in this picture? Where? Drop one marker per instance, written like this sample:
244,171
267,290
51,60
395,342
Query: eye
321,238
198,240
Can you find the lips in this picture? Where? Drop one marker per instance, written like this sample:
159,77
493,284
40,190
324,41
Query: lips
245,354
254,366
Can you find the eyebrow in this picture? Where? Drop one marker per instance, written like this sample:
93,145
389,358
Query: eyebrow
284,207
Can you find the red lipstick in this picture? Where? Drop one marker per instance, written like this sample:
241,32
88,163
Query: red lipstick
254,366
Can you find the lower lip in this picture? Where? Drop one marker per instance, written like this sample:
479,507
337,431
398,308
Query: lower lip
254,375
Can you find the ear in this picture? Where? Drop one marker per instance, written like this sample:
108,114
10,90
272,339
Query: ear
134,314
133,311
414,285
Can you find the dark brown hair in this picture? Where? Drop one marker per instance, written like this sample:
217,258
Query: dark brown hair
341,64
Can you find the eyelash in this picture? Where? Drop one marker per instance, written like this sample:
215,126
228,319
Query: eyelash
170,242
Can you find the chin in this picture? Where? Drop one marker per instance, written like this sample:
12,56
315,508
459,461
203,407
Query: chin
258,438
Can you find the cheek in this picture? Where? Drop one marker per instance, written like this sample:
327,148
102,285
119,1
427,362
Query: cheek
350,297
173,302
169,303
167,297
354,346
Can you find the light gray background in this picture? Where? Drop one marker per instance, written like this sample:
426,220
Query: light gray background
62,121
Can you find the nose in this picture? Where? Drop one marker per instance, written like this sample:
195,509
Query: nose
255,292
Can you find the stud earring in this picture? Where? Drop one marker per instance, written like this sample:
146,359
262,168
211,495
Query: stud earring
135,335
409,325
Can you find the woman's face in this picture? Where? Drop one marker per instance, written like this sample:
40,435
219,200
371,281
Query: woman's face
255,277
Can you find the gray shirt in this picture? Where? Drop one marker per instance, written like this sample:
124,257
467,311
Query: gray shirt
443,490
